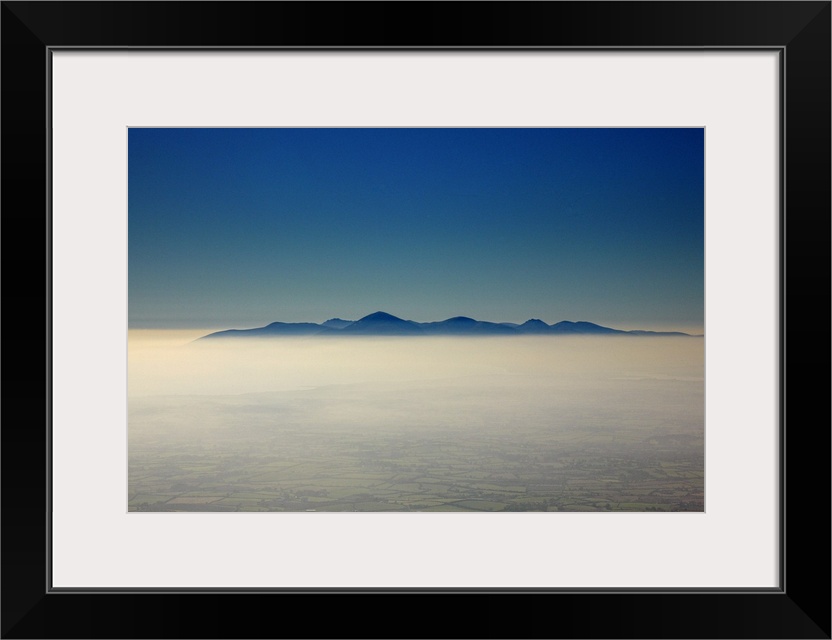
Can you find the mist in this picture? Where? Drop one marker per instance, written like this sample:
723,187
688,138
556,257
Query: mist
517,423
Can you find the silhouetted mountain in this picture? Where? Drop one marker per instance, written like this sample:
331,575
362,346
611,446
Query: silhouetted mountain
534,326
273,329
336,323
566,326
468,326
384,324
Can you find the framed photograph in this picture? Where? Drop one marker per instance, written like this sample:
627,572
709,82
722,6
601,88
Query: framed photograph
382,414
319,310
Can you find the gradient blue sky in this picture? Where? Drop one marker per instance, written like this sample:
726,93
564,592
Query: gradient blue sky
242,227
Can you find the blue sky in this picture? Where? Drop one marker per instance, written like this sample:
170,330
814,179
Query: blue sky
242,227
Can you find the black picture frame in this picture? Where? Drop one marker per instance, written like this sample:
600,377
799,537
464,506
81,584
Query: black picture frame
799,608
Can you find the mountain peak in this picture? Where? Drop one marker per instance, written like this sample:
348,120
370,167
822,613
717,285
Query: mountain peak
336,323
381,315
534,325
381,322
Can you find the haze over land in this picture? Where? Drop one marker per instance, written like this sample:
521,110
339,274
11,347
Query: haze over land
423,423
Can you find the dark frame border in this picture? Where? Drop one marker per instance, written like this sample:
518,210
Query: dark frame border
799,30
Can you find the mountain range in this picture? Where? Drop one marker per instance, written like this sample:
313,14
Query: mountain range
384,324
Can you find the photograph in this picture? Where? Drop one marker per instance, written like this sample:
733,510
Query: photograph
334,302
416,319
